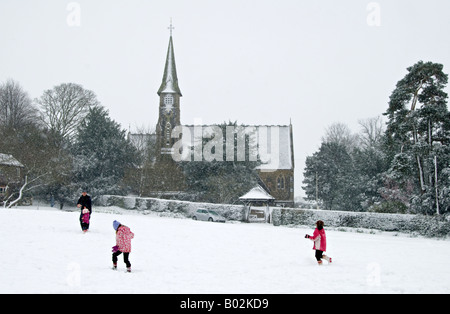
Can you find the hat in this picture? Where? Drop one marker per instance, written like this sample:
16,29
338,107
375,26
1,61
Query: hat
116,224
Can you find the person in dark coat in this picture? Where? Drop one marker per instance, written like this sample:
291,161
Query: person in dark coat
84,203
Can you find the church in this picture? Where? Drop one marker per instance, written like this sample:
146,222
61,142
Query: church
172,142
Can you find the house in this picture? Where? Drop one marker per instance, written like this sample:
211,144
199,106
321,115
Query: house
10,173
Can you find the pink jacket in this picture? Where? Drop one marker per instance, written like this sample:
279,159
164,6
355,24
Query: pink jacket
85,218
123,239
320,240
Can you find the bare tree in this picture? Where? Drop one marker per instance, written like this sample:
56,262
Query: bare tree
372,131
64,107
16,109
141,139
340,133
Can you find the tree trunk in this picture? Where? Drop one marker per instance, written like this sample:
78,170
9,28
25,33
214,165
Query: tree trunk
422,183
20,193
436,184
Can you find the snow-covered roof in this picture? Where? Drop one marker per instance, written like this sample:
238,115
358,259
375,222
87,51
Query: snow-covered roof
257,194
279,145
9,160
274,142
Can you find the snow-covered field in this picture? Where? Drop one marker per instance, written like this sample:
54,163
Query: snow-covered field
44,251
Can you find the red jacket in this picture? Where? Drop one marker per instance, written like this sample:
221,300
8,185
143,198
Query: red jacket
123,239
320,240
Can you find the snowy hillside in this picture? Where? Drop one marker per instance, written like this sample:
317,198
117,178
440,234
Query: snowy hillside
48,253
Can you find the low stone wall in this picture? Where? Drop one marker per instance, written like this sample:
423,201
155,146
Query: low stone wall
430,226
184,208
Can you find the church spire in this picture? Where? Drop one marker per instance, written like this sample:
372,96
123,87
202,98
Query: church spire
170,80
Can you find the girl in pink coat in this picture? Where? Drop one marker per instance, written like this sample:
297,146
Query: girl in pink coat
123,244
320,242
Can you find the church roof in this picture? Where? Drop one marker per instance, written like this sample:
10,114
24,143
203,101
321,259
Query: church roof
170,80
280,147
275,145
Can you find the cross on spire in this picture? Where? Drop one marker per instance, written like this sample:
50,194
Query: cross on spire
170,27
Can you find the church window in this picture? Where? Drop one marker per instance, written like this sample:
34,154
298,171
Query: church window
168,99
168,131
280,183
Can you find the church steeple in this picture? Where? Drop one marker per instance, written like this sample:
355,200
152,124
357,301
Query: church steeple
170,80
168,176
169,102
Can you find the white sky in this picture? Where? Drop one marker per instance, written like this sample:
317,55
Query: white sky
254,61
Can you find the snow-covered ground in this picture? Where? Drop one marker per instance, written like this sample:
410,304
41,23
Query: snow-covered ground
44,251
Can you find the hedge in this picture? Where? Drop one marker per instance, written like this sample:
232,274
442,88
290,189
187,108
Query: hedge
429,226
183,208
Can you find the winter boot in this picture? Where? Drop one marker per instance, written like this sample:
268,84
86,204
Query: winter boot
128,269
114,266
319,262
327,258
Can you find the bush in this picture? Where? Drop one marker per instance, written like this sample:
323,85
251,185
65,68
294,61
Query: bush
389,207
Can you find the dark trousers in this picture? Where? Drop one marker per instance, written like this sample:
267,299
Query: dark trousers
319,255
125,258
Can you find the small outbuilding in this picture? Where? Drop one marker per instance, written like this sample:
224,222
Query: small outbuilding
257,197
10,173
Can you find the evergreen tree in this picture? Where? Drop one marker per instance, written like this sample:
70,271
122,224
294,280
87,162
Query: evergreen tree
330,175
369,165
418,131
102,154
221,181
346,172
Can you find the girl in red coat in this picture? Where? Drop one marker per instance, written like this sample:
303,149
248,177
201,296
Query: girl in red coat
320,242
123,244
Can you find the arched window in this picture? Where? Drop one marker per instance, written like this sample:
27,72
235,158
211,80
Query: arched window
280,183
168,132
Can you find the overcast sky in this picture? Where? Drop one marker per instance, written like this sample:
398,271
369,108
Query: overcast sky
254,61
